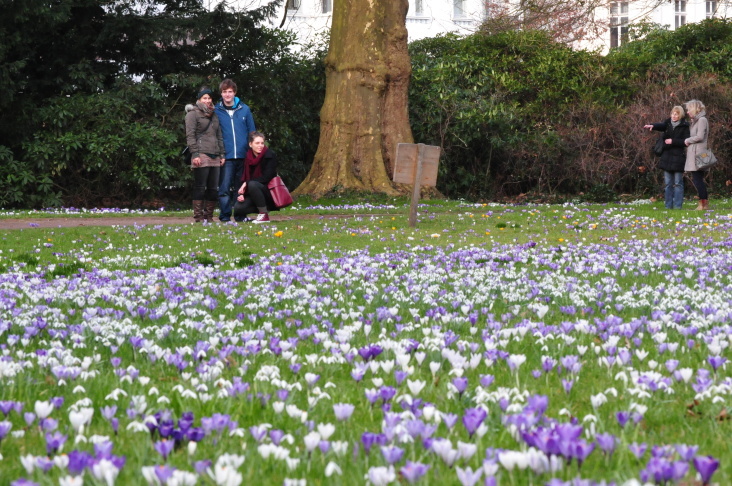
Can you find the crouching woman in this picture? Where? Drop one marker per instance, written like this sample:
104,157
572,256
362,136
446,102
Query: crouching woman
260,167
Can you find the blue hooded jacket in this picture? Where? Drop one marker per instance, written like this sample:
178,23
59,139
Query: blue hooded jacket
235,128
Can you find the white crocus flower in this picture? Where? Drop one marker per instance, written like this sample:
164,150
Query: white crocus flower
232,460
513,459
29,462
43,409
381,476
106,471
326,430
332,468
71,481
416,386
225,475
311,441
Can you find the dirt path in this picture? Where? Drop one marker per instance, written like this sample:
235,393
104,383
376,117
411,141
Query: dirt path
30,223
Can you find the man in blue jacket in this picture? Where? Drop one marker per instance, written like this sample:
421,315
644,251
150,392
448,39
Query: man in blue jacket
236,121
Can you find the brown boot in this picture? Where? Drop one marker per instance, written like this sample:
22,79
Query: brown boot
700,206
208,210
705,204
197,211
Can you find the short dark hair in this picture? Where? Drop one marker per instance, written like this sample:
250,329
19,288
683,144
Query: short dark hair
227,84
253,135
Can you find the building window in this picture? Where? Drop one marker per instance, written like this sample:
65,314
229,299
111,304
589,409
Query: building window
327,6
293,4
711,9
419,8
680,11
458,9
618,23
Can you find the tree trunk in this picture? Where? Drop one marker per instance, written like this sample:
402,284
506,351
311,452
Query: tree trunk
364,115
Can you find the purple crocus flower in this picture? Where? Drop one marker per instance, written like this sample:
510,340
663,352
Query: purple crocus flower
201,466
450,419
49,424
623,418
392,454
413,471
258,432
716,361
705,466
343,411
371,395
57,402
686,452
276,435
103,450
472,419
6,407
23,482
580,450
164,473
461,384
638,450
386,393
467,476
369,439
54,442
29,418
414,427
671,365
109,412
660,470
324,446
607,443
78,461
486,380
5,427
538,404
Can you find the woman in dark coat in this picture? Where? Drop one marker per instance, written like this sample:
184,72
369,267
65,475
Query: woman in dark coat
260,167
675,132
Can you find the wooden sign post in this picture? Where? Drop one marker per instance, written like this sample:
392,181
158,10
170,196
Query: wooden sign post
416,164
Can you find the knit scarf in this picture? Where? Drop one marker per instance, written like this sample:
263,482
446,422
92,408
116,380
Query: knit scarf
252,166
675,124
206,108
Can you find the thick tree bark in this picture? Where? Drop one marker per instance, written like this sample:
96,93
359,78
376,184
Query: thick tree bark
364,115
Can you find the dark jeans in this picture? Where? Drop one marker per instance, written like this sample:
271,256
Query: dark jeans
697,177
206,183
229,183
253,199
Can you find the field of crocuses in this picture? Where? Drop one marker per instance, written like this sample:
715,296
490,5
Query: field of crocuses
506,345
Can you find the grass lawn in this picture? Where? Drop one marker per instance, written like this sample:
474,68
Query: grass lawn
491,344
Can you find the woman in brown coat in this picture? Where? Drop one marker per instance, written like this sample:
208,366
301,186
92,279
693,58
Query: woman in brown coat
697,143
206,144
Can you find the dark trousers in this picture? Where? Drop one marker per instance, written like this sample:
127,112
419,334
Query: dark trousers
697,177
253,199
206,183
228,185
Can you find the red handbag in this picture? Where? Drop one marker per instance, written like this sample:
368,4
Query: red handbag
280,195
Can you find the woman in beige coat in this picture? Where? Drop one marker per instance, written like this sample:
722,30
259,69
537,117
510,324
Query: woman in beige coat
203,135
696,143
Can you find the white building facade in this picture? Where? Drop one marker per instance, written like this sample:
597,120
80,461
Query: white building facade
309,19
671,14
